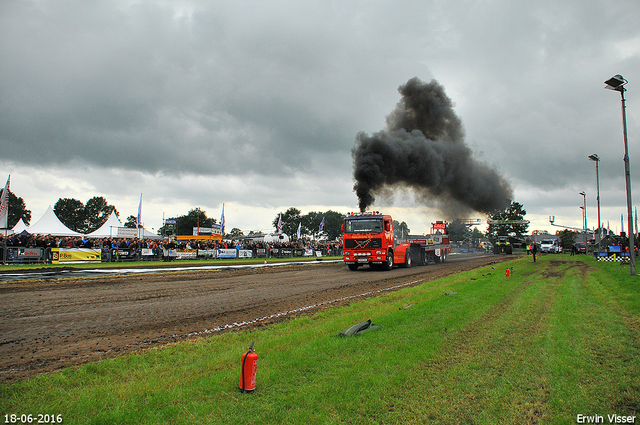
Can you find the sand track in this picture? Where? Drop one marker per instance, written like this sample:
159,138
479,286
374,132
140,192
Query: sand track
47,325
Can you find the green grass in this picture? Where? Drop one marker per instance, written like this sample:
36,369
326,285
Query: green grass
558,338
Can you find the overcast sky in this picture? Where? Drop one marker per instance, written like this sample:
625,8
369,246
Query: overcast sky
257,104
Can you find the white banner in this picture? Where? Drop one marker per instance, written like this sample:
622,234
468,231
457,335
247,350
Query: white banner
206,231
245,253
209,253
226,253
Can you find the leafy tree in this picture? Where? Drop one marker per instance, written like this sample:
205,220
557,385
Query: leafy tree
509,222
567,239
332,224
194,218
476,234
401,230
70,212
235,233
96,213
310,223
457,231
290,221
17,210
83,218
132,222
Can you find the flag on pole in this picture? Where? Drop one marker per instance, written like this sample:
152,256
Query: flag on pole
622,222
139,219
280,224
299,230
222,220
321,228
4,206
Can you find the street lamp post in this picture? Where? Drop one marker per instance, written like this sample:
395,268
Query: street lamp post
596,159
617,83
584,221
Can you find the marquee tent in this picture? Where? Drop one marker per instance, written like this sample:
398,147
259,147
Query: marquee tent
19,227
49,224
108,229
114,228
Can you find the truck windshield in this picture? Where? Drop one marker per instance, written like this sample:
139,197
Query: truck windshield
373,225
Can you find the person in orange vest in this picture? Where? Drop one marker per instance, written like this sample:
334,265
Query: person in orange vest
534,251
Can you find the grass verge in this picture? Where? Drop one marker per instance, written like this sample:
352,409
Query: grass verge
557,339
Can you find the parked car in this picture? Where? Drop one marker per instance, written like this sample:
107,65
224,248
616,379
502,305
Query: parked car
581,247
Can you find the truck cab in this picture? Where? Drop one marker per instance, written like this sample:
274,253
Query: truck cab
368,239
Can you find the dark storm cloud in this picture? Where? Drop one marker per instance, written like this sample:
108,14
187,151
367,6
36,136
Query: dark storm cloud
423,148
141,87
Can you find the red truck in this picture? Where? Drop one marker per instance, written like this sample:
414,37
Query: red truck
368,238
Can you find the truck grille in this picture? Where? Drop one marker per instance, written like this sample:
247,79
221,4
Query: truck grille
363,243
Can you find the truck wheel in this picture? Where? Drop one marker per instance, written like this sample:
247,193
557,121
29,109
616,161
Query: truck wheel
388,265
353,266
408,262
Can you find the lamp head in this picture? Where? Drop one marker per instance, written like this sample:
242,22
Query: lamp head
616,83
594,157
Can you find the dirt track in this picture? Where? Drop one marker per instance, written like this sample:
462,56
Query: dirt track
46,325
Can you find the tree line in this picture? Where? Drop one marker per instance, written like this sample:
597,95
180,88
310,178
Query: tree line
88,217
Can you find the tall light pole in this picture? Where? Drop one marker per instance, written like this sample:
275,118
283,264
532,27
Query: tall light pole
596,159
617,83
584,221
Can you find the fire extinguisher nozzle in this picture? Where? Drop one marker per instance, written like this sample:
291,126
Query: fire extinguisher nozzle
251,346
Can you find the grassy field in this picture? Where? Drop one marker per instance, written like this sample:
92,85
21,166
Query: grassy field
557,339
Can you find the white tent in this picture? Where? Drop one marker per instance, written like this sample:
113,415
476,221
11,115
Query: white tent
19,227
144,233
108,229
113,228
49,224
274,238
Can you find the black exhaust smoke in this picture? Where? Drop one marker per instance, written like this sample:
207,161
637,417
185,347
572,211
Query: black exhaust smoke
423,148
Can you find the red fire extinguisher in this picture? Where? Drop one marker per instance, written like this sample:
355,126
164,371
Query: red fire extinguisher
248,371
508,272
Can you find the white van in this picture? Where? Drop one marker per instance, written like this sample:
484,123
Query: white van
550,245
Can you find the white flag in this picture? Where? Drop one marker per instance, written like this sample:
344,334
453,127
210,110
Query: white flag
299,229
4,206
280,224
222,220
139,220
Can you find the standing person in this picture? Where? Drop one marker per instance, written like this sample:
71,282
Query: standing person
534,251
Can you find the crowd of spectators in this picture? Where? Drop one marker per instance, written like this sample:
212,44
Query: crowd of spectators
120,248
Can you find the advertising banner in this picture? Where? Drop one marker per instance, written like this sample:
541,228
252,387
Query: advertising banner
245,253
226,253
187,254
75,255
207,253
34,253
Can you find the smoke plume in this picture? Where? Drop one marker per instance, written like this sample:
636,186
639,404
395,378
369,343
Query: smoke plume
423,148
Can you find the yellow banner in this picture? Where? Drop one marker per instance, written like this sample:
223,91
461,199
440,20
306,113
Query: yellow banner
75,255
